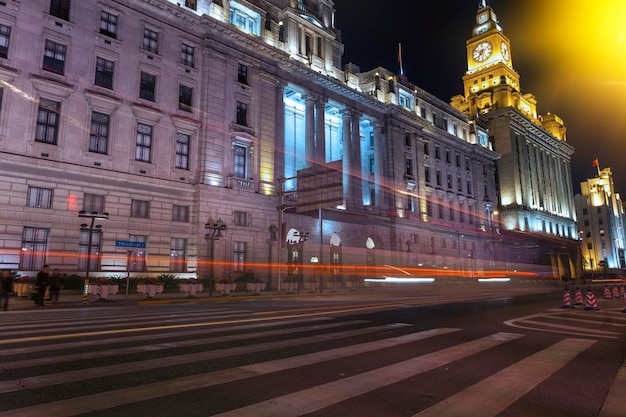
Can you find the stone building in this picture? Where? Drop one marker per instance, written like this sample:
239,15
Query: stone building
172,115
533,173
600,211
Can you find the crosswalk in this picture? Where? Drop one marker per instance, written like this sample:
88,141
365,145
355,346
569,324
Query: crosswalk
214,363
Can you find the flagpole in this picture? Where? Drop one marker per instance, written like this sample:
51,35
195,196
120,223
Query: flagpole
400,58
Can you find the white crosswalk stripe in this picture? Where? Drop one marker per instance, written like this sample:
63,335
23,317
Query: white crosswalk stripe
194,338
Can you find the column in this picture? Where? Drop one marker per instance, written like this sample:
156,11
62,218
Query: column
309,130
279,129
347,156
320,131
379,177
357,177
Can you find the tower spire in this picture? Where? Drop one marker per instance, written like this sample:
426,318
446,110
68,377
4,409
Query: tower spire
482,4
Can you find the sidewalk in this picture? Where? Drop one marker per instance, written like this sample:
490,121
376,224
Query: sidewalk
74,298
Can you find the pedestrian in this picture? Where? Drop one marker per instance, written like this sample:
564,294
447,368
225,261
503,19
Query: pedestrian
6,286
43,278
55,286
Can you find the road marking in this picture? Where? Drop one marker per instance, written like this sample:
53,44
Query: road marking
566,327
188,325
494,394
150,364
115,340
526,321
170,345
321,396
106,400
593,322
614,403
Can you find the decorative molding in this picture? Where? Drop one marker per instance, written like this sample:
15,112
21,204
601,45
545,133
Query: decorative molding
51,87
102,102
149,114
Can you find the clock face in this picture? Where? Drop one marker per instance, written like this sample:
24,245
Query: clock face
482,51
505,51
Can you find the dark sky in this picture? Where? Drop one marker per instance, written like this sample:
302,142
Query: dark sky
571,54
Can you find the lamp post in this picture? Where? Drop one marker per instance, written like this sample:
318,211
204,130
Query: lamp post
93,216
273,239
215,233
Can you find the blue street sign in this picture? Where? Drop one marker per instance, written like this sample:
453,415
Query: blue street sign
129,244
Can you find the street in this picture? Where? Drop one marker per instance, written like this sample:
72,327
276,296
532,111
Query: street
490,351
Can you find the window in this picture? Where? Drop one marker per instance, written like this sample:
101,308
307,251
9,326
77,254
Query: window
407,139
185,98
182,150
423,112
39,197
93,202
448,157
371,164
138,255
599,210
588,234
242,114
585,211
241,218
150,41
440,210
34,248
239,256
438,178
408,167
429,209
186,54
5,36
144,142
47,121
426,148
60,9
245,18
240,161
104,73
458,160
54,57
177,255
459,185
467,164
449,181
180,213
406,100
427,174
590,247
99,134
140,208
85,255
192,4
108,24
469,188
147,86
437,152
242,74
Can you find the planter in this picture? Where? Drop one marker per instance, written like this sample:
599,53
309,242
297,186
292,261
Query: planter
225,288
103,291
311,285
191,289
333,285
290,286
354,284
23,289
255,287
150,290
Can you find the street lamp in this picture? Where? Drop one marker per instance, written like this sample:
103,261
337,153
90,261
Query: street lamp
94,215
215,233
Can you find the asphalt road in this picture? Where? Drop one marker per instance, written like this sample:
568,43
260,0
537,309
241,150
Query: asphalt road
496,351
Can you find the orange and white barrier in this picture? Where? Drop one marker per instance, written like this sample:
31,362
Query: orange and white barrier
607,293
579,297
590,302
615,292
567,299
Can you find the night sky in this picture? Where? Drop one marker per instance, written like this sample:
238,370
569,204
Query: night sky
571,54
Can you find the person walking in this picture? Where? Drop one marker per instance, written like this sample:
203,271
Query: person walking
6,286
55,286
43,278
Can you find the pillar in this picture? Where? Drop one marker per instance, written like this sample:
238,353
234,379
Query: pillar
347,156
357,177
279,137
378,163
320,131
309,130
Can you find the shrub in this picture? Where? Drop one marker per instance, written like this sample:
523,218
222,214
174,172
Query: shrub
168,281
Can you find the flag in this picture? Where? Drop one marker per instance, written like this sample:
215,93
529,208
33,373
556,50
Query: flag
595,163
400,58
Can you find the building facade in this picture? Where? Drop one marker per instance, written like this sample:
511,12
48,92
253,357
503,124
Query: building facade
172,115
533,174
600,211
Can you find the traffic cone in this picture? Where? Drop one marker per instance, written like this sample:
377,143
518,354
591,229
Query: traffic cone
621,290
615,291
607,293
590,303
579,297
624,311
567,299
